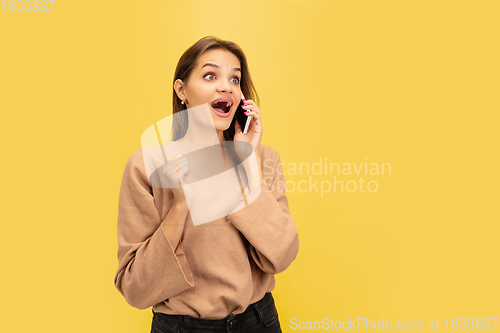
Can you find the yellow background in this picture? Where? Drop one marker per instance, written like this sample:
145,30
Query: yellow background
410,83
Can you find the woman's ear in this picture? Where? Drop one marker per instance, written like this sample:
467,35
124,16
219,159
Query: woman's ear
180,89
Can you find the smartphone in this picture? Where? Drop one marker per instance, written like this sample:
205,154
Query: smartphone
241,117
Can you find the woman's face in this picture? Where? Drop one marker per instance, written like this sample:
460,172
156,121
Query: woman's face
216,77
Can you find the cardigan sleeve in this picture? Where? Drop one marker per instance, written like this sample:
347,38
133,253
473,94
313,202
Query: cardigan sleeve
149,271
267,224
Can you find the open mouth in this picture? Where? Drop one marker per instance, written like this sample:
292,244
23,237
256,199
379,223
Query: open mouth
222,106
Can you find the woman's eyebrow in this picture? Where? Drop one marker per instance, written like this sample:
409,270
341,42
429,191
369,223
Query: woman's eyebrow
235,69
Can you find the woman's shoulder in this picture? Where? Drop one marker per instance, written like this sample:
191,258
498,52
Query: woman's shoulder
144,152
135,157
134,165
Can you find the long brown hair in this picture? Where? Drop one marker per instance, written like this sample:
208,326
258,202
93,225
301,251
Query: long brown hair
184,67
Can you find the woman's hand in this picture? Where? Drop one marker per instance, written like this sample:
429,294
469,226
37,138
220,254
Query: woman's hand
175,172
254,133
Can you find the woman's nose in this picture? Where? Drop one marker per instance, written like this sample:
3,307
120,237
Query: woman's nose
223,86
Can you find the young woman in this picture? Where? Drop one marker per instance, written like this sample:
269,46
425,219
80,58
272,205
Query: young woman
216,276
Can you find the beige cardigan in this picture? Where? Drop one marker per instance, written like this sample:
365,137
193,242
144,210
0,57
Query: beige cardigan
219,267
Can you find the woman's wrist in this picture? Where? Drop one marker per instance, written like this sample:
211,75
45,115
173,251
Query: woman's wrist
180,205
173,224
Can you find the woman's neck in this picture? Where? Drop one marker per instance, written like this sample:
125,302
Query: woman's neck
220,135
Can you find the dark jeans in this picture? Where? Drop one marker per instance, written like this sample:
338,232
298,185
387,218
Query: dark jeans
261,316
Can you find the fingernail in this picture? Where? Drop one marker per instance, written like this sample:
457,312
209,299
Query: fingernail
245,100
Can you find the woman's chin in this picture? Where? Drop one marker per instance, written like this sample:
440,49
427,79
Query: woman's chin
222,124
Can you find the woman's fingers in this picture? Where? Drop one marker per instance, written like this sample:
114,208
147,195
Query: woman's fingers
188,172
249,102
179,161
182,171
176,161
254,111
176,171
175,164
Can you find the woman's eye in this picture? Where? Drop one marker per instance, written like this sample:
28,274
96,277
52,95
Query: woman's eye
208,75
211,77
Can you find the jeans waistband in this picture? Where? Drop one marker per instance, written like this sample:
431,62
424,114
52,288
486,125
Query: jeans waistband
192,322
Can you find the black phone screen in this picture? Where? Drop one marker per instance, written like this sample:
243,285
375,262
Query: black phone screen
240,116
